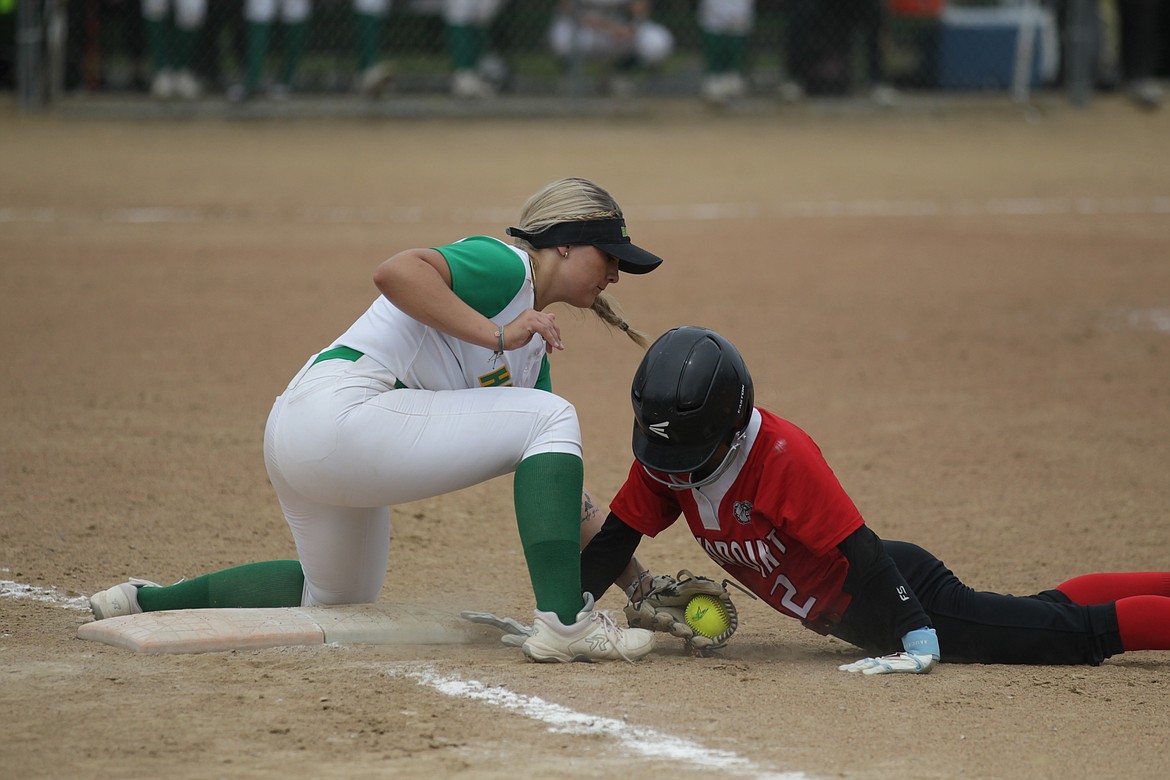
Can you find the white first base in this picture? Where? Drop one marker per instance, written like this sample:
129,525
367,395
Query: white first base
212,630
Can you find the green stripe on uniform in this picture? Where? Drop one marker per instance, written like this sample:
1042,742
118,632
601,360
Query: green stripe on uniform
338,353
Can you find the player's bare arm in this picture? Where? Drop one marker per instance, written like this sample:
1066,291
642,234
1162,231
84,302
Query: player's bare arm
635,578
418,281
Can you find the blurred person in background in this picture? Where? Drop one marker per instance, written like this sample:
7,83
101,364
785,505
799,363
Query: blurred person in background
260,17
221,43
171,30
819,48
726,25
374,72
1141,46
467,24
619,32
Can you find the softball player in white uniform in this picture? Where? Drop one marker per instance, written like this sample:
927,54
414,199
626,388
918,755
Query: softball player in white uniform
726,25
171,51
611,30
441,384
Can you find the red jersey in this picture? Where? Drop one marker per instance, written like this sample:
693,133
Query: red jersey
773,520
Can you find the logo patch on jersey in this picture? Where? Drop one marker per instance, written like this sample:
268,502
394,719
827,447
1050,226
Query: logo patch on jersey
498,378
660,429
743,512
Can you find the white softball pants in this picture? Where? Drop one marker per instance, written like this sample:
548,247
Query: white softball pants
728,17
342,446
652,43
457,12
266,11
372,7
189,14
470,12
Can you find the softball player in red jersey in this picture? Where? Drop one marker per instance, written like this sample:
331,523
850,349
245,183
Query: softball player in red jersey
441,384
760,499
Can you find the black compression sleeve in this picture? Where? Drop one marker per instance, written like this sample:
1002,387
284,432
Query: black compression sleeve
883,608
607,554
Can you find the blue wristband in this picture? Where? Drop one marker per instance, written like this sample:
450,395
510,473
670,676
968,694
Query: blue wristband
921,641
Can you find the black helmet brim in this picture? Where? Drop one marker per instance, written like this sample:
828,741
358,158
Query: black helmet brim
670,458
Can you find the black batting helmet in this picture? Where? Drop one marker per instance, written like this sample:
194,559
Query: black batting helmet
691,393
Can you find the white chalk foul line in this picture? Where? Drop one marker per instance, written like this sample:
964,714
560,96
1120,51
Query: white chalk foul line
647,742
1157,319
692,212
18,590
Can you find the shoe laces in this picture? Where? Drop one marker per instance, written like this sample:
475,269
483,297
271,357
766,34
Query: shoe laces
611,629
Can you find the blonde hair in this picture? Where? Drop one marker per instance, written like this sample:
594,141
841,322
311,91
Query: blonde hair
569,200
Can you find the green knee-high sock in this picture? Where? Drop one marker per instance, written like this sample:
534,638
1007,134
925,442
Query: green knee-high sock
258,34
295,36
464,43
717,52
710,52
736,53
184,48
266,584
158,40
369,35
547,493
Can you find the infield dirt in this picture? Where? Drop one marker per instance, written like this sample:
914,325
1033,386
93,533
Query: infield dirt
970,312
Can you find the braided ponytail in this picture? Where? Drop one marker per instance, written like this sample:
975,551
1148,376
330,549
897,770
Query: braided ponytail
606,308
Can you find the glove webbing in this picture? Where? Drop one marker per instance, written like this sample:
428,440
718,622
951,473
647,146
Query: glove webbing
664,606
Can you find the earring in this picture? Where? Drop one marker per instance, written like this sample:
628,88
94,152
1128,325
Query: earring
565,254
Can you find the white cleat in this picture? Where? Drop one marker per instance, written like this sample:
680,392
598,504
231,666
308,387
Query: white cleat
187,86
721,89
1146,93
622,87
594,637
122,599
469,85
375,80
791,91
162,86
883,95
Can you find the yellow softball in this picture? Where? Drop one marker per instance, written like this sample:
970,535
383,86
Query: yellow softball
706,615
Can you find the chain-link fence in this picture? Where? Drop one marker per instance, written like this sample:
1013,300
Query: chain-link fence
720,50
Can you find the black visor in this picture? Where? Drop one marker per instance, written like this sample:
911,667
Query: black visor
608,235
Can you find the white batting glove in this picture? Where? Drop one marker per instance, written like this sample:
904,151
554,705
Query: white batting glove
515,632
904,663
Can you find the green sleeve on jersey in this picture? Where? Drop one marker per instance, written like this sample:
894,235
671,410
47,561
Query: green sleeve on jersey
485,273
544,380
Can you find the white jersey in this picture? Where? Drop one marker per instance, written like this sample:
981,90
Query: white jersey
494,279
